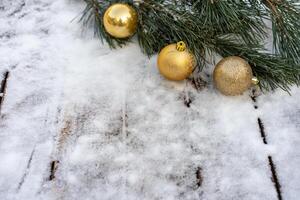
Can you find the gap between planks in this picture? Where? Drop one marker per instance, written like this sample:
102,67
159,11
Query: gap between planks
272,166
64,134
3,88
26,170
198,84
275,179
53,169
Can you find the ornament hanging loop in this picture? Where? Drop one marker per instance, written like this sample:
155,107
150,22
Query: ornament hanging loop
255,81
180,46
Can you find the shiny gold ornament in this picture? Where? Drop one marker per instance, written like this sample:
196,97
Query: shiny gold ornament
233,76
176,62
120,20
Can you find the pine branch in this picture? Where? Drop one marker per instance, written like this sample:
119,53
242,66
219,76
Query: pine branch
226,27
232,17
163,23
285,16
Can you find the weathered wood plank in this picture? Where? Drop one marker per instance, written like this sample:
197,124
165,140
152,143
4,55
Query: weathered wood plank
280,114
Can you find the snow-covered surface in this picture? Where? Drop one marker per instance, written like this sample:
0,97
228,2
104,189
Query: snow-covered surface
119,130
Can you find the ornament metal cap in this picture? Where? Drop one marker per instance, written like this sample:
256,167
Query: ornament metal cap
255,81
180,46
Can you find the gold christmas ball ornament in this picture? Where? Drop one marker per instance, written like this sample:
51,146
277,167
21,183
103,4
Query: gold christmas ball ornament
176,62
233,76
120,20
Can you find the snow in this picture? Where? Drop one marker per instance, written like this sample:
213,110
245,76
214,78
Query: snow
121,131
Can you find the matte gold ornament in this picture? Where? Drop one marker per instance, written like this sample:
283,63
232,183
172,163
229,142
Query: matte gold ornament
176,62
233,76
120,20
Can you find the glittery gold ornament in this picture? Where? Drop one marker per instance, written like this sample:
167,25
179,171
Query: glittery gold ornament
233,76
120,20
176,62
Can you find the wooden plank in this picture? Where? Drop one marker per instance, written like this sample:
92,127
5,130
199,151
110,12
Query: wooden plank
283,140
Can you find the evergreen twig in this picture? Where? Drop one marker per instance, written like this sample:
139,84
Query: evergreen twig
228,27
285,18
